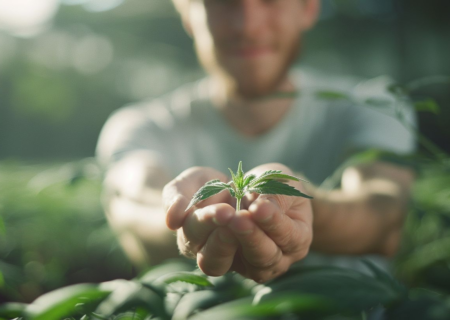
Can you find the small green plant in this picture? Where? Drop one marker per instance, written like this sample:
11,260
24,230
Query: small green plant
270,182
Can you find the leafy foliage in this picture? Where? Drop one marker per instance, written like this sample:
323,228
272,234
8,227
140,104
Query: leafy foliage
312,292
267,183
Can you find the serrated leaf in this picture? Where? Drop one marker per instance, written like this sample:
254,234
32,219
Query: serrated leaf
332,95
428,105
210,189
274,175
213,182
233,176
248,179
187,277
277,187
240,175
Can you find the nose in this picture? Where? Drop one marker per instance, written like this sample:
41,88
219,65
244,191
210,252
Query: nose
249,17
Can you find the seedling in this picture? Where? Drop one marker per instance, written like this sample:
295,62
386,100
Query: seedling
270,182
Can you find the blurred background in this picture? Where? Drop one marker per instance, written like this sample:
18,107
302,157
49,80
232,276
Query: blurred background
65,65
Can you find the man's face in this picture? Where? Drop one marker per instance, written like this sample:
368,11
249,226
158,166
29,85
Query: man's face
251,43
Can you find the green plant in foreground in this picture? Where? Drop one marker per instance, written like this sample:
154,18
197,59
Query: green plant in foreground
270,182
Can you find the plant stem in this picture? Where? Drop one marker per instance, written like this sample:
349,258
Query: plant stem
238,204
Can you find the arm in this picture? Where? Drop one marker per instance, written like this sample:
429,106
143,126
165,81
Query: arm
366,214
133,206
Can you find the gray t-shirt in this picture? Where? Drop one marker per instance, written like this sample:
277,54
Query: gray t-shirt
183,129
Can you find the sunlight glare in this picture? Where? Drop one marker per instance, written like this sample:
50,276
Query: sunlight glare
26,17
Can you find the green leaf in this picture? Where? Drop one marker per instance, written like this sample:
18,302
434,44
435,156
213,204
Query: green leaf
274,175
12,310
397,90
239,176
428,105
210,189
176,265
248,179
128,296
332,95
199,300
275,307
348,288
378,102
277,187
382,276
62,303
233,176
188,277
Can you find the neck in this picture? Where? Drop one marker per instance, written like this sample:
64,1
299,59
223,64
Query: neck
252,116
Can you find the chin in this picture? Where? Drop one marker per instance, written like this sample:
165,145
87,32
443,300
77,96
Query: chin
252,91
258,86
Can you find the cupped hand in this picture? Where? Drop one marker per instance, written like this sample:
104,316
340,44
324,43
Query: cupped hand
259,242
203,220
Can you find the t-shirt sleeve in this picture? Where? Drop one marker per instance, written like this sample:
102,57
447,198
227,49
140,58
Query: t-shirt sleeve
370,127
129,130
378,125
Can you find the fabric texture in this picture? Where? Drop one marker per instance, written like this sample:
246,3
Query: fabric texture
183,129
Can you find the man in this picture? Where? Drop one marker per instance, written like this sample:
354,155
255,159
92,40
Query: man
193,135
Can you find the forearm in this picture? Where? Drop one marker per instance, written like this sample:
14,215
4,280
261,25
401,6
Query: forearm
133,205
141,230
364,216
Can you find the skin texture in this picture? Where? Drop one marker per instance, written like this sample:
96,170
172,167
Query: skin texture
247,47
260,242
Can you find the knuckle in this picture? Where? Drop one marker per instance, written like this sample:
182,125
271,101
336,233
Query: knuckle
264,263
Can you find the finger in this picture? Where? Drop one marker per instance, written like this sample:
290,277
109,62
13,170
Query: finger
199,225
287,228
257,248
260,275
248,199
178,193
217,255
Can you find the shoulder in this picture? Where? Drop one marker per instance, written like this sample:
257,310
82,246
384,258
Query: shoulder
162,112
311,79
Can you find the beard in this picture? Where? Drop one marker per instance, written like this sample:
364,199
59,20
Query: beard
251,78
